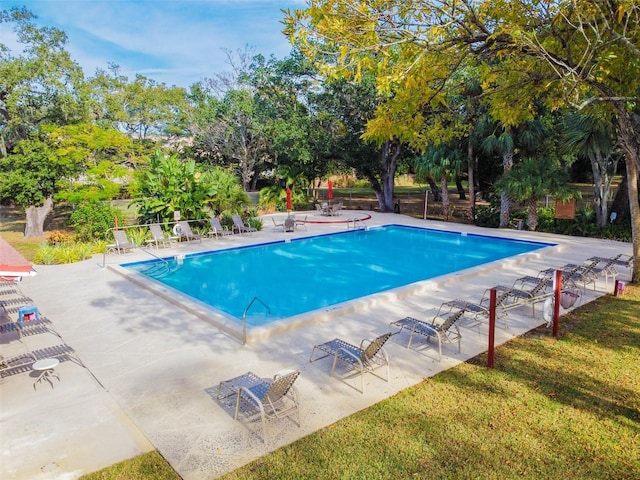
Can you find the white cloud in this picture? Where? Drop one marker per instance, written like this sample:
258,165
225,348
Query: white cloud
176,42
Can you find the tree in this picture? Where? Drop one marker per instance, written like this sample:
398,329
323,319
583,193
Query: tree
171,184
532,179
594,138
31,175
568,53
39,86
100,156
443,163
353,105
140,108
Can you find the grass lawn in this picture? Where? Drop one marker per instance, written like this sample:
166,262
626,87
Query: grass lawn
565,408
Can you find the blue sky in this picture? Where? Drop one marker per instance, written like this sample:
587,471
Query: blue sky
178,42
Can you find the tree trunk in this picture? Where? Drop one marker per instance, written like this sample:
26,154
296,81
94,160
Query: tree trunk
35,217
434,189
601,187
446,205
621,201
505,204
532,215
630,141
389,160
472,179
460,188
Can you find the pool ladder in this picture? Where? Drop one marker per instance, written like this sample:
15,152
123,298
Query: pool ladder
244,317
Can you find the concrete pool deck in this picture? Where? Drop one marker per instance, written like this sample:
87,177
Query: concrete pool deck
152,368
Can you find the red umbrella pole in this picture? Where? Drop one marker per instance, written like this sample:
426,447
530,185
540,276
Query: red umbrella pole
330,190
288,198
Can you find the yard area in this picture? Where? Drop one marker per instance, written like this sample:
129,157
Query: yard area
566,407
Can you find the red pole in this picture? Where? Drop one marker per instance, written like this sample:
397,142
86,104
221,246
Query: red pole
492,326
556,305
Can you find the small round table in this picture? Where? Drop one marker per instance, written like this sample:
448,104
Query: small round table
46,368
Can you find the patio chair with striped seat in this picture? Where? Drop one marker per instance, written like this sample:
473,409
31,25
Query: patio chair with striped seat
444,329
369,356
269,398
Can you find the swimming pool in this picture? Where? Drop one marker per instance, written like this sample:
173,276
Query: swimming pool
312,273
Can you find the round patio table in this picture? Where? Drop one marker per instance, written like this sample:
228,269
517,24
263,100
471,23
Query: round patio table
46,367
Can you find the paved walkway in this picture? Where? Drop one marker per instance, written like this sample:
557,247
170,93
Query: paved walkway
152,368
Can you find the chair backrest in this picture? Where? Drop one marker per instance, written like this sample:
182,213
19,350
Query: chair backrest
238,221
185,229
215,224
280,387
539,287
121,237
156,231
448,323
374,347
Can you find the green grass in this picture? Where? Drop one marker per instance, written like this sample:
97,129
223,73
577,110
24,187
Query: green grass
148,466
565,408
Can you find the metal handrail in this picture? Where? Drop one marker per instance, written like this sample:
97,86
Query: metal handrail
244,317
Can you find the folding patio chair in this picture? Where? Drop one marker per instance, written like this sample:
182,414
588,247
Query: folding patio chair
366,358
239,225
217,229
122,242
270,398
444,329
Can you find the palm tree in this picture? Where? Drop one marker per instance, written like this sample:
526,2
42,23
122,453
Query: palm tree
441,162
530,181
525,138
594,138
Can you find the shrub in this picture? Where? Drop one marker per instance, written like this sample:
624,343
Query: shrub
94,220
486,216
56,237
138,235
63,253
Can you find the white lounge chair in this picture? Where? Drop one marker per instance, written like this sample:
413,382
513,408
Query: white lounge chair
239,225
217,229
122,242
158,238
183,230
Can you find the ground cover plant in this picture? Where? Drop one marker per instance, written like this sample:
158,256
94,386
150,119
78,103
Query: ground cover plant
552,408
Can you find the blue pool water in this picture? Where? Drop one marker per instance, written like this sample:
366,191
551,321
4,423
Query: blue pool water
314,273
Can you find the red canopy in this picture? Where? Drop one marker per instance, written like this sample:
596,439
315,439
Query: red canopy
12,263
330,189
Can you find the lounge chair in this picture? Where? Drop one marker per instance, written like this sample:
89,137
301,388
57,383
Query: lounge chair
183,230
477,311
158,237
525,291
573,274
217,229
277,398
364,358
122,242
277,226
442,328
239,225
